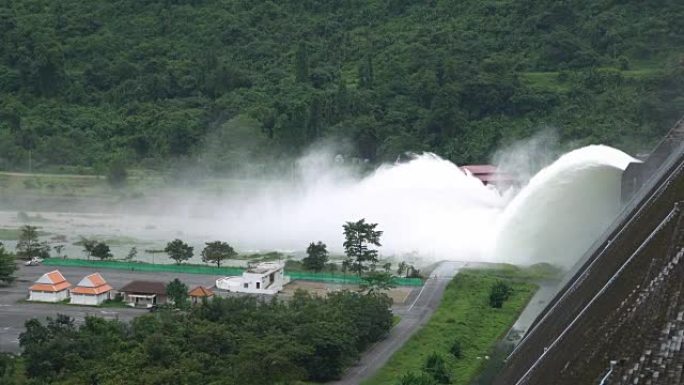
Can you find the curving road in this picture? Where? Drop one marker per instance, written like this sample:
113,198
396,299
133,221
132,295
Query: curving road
413,316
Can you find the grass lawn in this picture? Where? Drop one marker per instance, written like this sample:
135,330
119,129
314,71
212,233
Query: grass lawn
465,316
114,303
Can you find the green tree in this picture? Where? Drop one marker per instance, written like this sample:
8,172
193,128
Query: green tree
499,293
358,237
58,249
132,253
412,272
88,246
375,281
8,369
402,268
317,256
178,292
217,251
178,250
7,266
29,247
101,250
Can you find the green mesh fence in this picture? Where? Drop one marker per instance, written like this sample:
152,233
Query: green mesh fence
211,270
134,266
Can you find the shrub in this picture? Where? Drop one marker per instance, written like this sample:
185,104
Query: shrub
416,379
499,294
436,367
455,349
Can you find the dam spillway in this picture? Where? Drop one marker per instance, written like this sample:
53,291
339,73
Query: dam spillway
619,318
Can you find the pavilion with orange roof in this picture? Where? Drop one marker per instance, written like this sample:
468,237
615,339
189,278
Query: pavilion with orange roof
50,287
198,293
92,290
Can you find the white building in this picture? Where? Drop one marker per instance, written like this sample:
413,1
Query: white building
50,287
92,290
264,278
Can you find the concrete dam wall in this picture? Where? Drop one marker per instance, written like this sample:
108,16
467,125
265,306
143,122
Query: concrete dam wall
619,318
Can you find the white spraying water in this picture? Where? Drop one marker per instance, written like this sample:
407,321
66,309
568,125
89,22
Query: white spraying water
563,209
428,208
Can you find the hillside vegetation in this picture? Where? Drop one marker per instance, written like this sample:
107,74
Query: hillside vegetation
218,82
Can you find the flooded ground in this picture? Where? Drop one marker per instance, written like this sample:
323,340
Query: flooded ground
148,233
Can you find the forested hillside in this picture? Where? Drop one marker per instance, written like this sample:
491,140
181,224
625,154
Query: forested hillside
83,83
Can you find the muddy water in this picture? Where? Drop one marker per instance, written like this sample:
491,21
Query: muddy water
120,231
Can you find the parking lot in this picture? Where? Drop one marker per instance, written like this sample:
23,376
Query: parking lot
14,312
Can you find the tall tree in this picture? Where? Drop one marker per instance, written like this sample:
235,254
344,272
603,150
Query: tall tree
88,246
177,291
132,253
402,267
217,251
178,250
29,247
317,256
58,249
358,237
7,266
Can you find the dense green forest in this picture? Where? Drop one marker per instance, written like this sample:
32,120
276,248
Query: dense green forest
240,341
219,82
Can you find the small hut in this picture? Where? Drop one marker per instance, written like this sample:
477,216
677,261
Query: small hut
198,293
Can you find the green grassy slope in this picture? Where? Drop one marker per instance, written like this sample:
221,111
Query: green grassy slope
465,316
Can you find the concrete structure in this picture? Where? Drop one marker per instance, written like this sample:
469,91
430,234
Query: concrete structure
490,175
198,293
144,293
92,290
50,287
264,278
619,319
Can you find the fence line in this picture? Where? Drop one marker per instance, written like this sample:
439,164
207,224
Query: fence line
211,270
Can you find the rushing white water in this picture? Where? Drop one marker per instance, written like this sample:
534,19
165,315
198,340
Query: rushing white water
563,209
428,208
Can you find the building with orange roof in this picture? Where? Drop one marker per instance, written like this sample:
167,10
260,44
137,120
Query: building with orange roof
92,290
50,287
198,293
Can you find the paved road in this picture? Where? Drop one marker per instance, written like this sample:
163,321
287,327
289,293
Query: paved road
413,316
13,313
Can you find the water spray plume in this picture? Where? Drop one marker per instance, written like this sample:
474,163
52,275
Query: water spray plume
563,209
428,208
